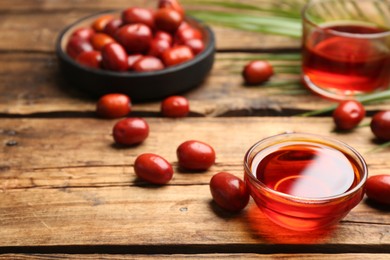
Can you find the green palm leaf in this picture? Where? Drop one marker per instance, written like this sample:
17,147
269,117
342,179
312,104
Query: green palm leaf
364,99
265,24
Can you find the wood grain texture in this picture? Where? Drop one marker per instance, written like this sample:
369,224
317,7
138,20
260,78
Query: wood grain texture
10,6
67,191
68,144
137,216
25,25
65,180
42,89
31,83
27,45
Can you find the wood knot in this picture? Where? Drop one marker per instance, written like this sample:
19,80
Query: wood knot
183,209
4,168
8,132
11,143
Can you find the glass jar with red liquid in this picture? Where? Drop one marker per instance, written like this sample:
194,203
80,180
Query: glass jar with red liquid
346,47
305,181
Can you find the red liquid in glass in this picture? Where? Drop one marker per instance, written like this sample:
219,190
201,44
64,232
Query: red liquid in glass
341,63
309,171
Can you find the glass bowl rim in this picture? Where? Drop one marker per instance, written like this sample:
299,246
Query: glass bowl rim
327,140
306,19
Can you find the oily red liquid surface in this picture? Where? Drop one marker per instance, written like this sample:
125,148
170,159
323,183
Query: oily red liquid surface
309,171
340,63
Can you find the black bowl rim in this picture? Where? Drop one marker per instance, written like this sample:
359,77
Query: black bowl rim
131,74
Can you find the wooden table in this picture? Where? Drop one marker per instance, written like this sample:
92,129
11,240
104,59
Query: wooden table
67,191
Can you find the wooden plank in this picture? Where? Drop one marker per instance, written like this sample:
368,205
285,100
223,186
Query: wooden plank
200,256
28,30
48,5
65,184
65,188
10,6
137,216
81,152
49,144
41,89
31,84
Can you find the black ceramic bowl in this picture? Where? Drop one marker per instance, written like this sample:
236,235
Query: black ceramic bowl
140,86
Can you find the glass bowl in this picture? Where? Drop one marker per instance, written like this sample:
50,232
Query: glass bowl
304,181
